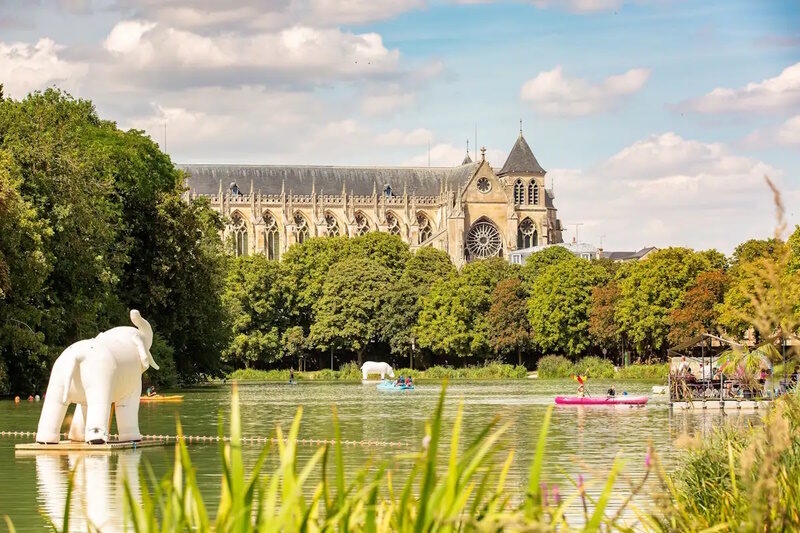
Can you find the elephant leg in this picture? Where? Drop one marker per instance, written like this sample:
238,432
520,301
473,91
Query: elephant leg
77,431
127,413
98,411
53,411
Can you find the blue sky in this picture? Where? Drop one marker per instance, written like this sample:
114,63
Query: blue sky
655,119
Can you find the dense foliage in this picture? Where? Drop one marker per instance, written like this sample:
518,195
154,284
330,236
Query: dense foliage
92,224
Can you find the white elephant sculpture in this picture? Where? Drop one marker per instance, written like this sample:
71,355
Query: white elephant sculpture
93,374
371,367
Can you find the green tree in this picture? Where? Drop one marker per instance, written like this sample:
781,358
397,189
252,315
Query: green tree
451,322
347,316
509,331
384,248
306,269
651,289
794,245
558,307
255,301
735,310
696,314
603,326
537,262
24,268
404,300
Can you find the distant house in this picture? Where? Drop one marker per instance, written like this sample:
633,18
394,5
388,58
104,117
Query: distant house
628,256
584,250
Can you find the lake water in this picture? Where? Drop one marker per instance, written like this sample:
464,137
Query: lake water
582,440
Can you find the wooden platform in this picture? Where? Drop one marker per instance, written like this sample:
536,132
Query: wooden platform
69,446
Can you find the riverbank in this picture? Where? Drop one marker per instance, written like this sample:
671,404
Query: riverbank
351,372
558,367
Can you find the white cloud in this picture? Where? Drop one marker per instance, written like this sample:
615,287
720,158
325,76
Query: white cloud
299,53
262,15
552,93
786,134
398,137
775,94
386,104
666,190
27,67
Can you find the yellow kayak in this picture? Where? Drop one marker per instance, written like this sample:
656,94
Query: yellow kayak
162,398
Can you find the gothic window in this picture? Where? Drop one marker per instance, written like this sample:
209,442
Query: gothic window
362,224
271,239
484,185
483,240
332,225
425,230
239,231
519,192
533,193
526,235
393,223
300,228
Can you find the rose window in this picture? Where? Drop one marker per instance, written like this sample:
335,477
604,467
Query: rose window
484,185
483,240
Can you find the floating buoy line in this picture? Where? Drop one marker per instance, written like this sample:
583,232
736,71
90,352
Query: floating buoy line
208,439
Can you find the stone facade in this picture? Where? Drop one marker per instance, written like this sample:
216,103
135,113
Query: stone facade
470,211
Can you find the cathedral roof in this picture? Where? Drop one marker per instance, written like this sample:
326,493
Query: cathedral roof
361,181
521,160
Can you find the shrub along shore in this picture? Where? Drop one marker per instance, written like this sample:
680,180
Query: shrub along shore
550,367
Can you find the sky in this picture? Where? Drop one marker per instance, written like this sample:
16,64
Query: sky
656,120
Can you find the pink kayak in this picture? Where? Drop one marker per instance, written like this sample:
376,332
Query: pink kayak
599,400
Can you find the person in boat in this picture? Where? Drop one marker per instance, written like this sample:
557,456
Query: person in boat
612,392
399,382
151,391
408,381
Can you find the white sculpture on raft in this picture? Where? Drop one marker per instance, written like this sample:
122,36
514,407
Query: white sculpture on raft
94,373
371,367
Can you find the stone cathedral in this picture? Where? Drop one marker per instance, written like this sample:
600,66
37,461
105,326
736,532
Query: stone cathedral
470,211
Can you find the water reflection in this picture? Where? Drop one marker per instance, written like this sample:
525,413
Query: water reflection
97,493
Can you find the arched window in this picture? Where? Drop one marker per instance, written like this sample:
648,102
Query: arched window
483,240
519,192
272,243
332,225
239,231
362,224
533,193
393,223
526,235
425,229
300,228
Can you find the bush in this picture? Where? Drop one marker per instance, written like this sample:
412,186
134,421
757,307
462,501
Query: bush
4,386
326,374
554,367
166,376
644,371
597,367
251,374
349,372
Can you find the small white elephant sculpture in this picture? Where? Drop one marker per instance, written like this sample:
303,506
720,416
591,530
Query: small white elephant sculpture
94,373
371,367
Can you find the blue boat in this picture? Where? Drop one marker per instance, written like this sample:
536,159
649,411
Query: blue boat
390,385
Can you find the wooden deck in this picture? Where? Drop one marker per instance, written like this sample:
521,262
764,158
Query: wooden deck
33,448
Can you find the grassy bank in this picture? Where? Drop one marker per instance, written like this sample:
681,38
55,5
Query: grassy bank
557,367
351,372
739,479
